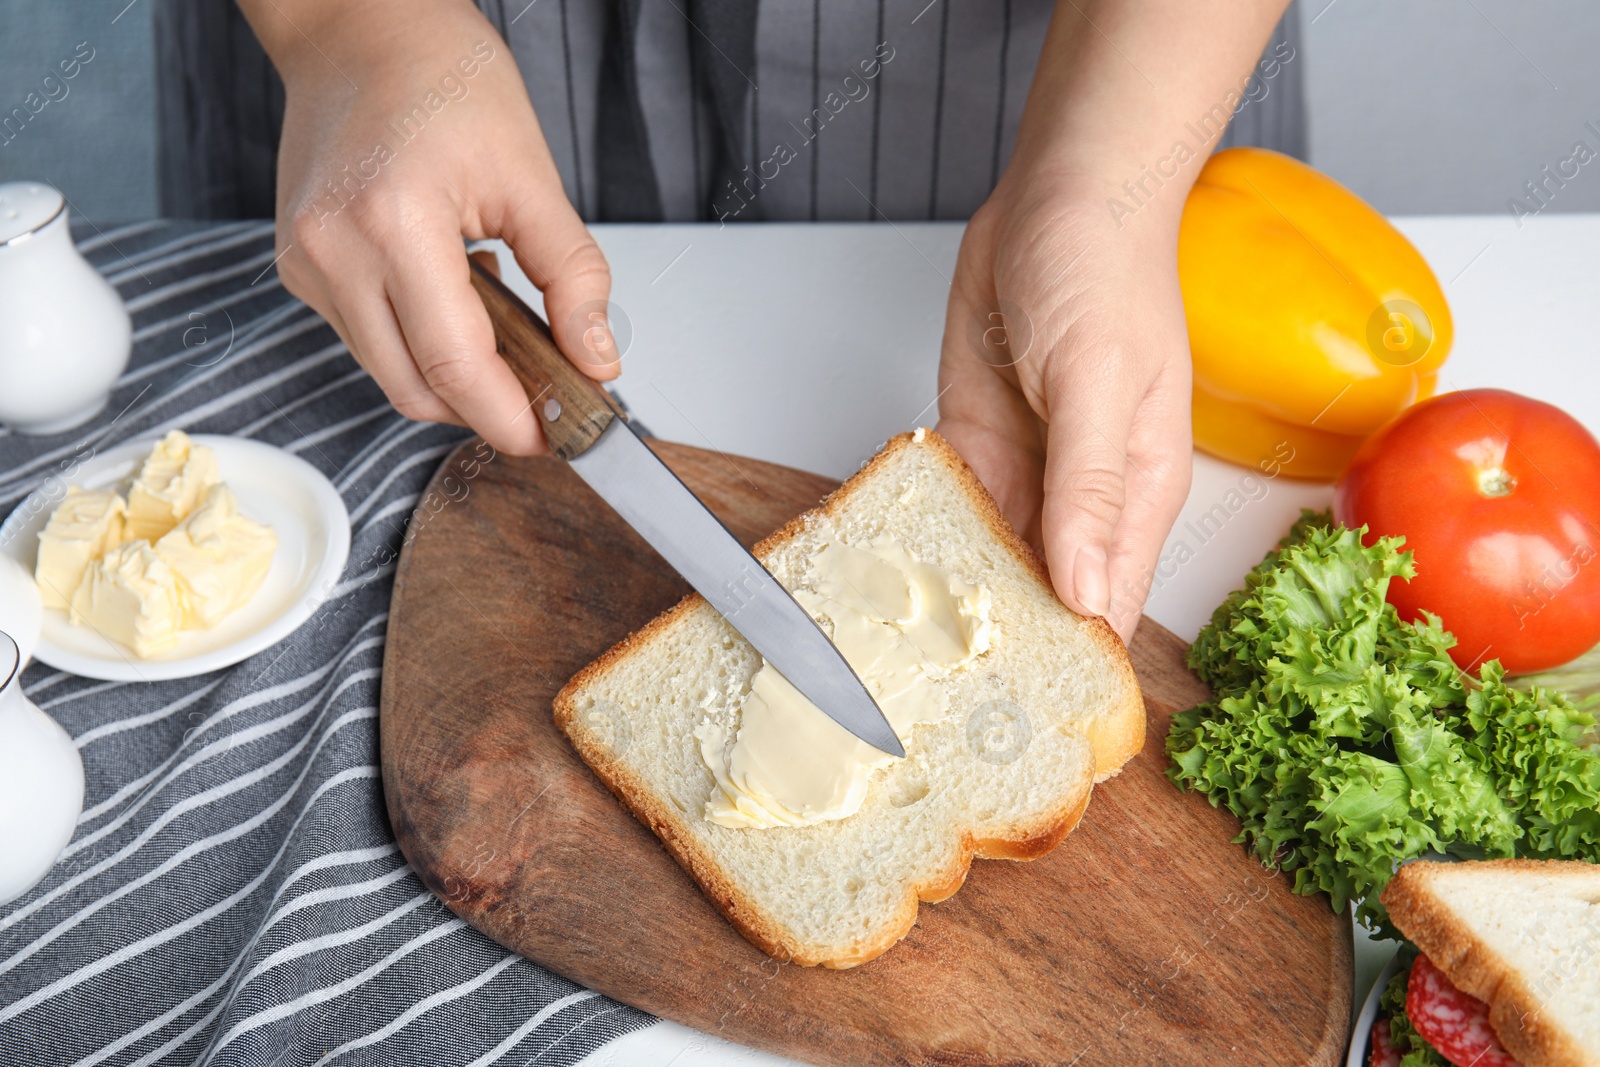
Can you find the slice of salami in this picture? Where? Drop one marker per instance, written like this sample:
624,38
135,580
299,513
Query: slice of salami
1454,1023
1383,1054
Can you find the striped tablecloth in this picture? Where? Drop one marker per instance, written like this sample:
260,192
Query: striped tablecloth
233,894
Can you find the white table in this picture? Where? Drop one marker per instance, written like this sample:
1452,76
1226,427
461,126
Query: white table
809,345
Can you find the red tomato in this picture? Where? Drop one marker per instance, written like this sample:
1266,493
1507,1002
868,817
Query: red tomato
1498,497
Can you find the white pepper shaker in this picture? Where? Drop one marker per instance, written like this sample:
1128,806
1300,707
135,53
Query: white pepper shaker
64,333
41,773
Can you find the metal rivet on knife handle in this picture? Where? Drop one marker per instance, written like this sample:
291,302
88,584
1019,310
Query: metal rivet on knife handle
576,409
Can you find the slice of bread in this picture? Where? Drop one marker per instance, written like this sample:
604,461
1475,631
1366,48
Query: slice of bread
1521,935
1048,710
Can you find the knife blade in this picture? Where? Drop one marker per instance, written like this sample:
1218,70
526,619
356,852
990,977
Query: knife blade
584,428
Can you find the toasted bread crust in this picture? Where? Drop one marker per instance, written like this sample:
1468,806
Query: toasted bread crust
1030,841
1514,1008
1115,738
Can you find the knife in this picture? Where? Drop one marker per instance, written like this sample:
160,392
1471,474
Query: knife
584,428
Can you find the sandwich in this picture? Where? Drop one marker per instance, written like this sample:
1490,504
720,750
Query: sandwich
816,847
1507,970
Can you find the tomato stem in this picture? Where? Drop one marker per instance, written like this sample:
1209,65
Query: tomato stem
1496,481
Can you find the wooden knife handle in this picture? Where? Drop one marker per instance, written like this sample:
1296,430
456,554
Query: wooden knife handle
571,406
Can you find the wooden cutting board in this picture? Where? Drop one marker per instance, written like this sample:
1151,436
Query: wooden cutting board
1147,937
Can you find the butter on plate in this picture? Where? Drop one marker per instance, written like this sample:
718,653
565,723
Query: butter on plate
81,529
173,480
175,555
132,597
219,557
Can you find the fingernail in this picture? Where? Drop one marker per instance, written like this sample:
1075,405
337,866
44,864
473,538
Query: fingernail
1091,581
598,345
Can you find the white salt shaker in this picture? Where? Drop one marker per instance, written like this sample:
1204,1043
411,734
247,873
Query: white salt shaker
41,774
64,334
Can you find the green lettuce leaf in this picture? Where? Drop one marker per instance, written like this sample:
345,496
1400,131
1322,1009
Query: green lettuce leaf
1320,591
1212,654
1347,741
1451,782
1366,825
1537,744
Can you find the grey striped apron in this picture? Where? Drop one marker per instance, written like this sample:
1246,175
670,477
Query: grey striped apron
841,111
683,110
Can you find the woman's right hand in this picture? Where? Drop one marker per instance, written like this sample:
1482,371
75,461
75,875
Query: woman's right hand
408,128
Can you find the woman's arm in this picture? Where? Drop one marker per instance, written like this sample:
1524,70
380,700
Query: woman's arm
1065,367
407,128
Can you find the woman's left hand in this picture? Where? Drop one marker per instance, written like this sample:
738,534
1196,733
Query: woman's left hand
1065,383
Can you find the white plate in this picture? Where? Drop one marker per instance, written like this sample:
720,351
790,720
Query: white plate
1361,1037
273,487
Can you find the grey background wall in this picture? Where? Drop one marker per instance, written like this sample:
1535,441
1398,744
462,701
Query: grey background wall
1421,106
96,143
1450,106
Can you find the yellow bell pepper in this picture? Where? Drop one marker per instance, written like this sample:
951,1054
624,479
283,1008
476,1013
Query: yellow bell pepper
1251,438
1312,321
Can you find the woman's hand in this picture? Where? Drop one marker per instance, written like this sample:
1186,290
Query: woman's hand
408,128
1065,384
1065,372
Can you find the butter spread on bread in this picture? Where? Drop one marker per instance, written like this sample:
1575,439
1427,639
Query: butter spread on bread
901,625
841,891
